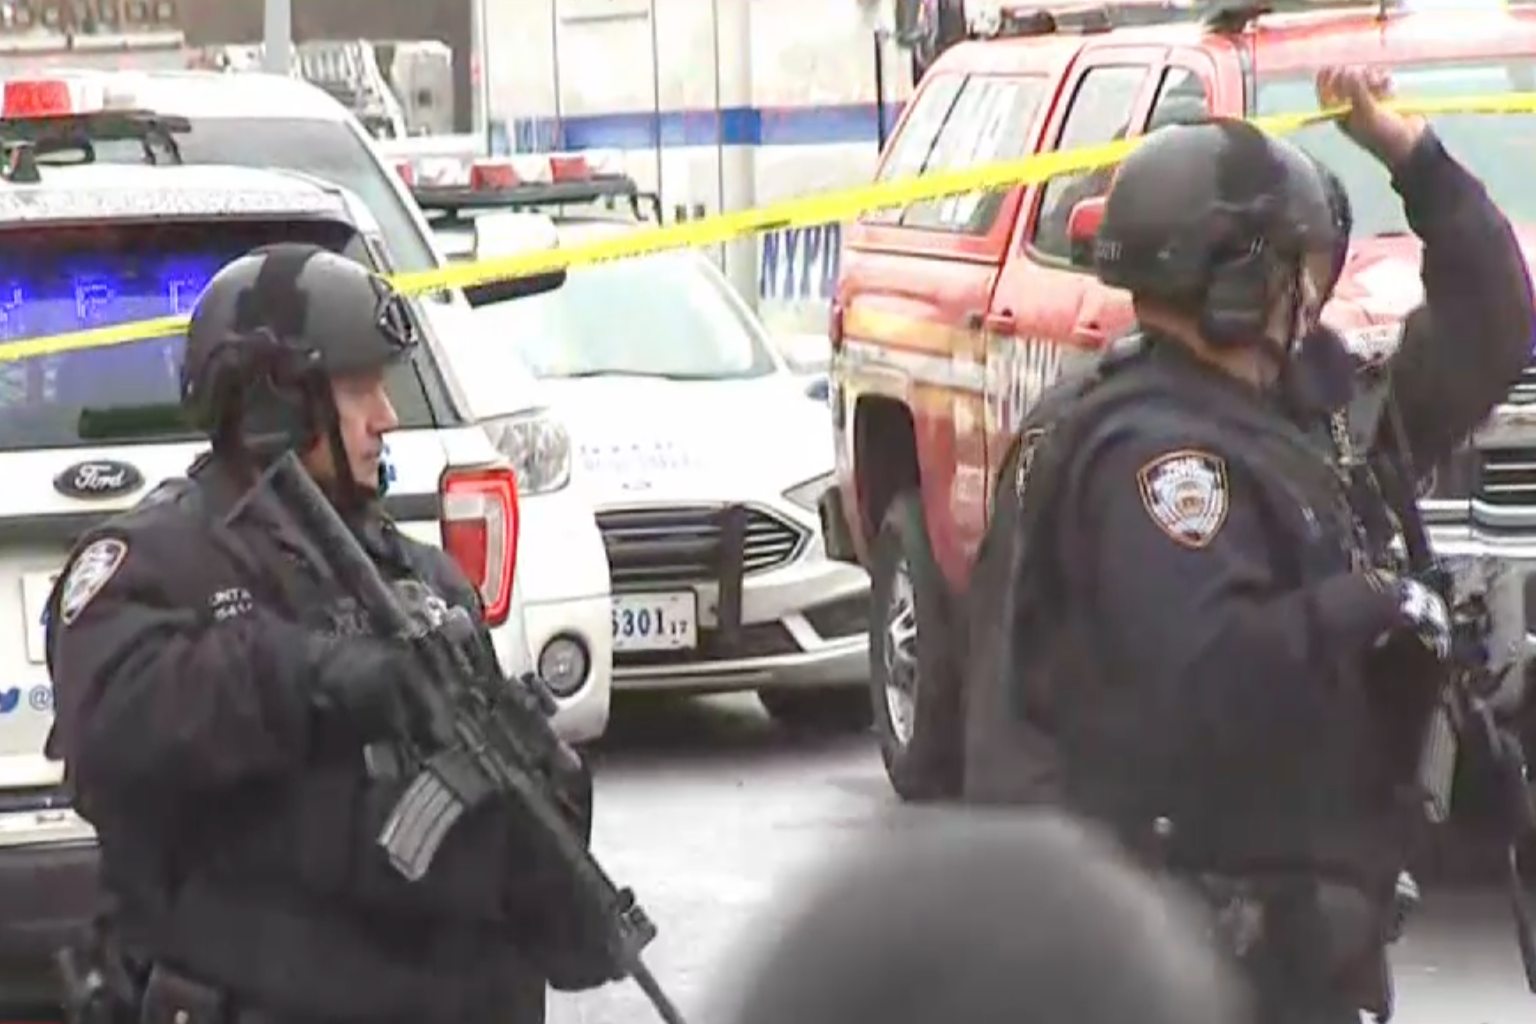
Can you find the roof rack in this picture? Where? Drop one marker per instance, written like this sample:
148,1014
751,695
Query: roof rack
1022,20
1041,18
452,188
1228,16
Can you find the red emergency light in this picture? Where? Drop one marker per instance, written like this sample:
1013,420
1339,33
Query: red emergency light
492,175
407,173
569,168
37,98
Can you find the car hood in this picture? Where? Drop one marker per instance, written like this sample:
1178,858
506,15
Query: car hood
1380,285
641,440
494,380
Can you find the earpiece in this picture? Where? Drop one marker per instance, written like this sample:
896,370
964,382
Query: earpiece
1237,299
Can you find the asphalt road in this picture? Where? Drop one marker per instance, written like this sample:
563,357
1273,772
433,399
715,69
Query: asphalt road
710,812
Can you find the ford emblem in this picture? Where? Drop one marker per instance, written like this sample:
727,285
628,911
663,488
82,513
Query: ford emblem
104,478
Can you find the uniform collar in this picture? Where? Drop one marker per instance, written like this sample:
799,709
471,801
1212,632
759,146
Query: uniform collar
1318,382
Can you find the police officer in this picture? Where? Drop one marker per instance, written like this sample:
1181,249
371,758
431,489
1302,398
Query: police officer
1195,605
216,696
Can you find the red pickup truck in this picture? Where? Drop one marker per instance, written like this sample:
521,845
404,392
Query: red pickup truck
950,317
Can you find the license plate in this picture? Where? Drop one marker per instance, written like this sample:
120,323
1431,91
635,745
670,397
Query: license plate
35,588
655,622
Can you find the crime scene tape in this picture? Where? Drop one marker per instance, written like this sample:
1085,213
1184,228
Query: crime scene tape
824,208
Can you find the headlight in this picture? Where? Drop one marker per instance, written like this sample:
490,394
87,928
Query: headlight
539,449
806,495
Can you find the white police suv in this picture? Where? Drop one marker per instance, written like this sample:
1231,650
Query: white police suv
86,433
194,118
703,452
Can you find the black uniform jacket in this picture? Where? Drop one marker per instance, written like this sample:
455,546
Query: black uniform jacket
238,831
1228,591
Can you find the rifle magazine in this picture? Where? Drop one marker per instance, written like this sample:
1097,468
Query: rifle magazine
418,824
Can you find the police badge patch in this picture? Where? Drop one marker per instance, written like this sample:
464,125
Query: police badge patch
94,568
1185,493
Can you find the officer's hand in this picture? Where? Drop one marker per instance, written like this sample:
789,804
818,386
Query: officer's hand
359,683
1388,135
1426,616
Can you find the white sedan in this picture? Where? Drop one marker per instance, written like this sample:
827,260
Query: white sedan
704,455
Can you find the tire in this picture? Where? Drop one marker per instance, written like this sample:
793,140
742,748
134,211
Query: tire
832,709
914,687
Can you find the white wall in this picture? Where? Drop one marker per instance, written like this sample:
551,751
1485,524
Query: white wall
777,69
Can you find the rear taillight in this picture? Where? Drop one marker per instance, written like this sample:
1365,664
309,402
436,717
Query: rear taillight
480,525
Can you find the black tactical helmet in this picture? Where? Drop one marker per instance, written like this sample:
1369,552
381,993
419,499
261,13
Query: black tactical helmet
1205,215
1343,221
273,327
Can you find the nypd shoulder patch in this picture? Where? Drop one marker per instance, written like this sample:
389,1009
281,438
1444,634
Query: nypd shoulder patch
92,570
1186,494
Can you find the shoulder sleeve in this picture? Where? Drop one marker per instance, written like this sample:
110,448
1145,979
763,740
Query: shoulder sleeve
1177,547
1465,347
166,670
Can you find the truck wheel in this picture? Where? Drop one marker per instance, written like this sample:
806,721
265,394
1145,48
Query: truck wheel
822,709
913,683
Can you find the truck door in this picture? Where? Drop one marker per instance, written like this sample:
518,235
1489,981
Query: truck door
995,126
1185,91
1035,324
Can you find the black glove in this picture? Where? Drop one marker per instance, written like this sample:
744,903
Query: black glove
1424,615
359,683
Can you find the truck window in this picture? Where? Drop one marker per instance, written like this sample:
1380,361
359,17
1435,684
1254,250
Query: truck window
1182,98
1100,112
1497,147
989,122
911,148
55,280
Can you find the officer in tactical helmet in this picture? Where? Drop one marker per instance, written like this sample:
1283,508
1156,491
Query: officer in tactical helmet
218,705
1190,564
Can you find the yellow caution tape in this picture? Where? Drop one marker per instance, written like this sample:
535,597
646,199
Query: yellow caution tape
827,207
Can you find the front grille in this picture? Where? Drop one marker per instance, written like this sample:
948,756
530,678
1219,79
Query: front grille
1524,391
1508,476
651,547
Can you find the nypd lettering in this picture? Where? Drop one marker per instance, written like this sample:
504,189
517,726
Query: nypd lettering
91,571
1186,494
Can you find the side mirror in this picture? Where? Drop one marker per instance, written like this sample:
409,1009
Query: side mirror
492,292
819,388
1083,229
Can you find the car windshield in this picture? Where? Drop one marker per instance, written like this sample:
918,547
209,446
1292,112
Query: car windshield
669,315
326,149
1498,148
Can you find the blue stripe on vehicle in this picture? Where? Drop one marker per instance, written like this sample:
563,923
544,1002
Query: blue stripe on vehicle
731,126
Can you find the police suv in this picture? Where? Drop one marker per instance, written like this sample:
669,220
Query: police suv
86,433
267,121
703,453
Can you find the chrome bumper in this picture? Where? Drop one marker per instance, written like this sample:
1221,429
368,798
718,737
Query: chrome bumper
1501,567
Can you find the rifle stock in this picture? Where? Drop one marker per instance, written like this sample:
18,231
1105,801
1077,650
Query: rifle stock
1463,715
482,737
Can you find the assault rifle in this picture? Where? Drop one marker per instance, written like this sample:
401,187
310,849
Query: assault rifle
1463,716
475,737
